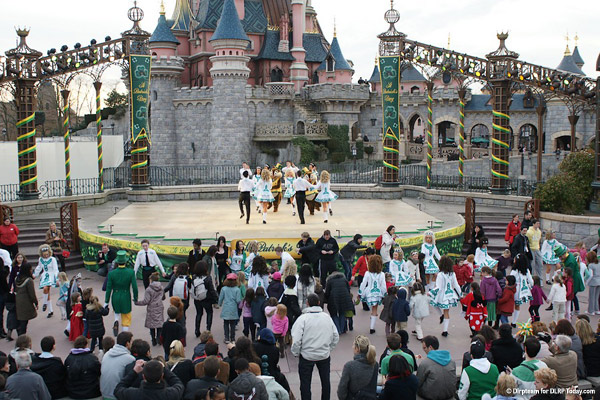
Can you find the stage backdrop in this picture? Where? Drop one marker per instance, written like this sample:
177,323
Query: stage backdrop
449,242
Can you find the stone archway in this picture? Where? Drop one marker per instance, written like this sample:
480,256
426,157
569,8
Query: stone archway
416,127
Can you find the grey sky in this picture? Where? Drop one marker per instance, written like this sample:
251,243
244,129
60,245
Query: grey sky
537,27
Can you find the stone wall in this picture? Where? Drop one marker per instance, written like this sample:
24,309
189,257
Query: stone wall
571,229
29,207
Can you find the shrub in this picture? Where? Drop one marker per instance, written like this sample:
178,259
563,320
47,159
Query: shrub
338,157
308,150
369,150
360,150
339,141
570,191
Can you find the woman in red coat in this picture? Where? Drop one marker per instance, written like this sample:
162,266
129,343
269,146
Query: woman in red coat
9,236
512,230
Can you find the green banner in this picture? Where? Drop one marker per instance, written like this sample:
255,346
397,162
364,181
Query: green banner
139,80
389,68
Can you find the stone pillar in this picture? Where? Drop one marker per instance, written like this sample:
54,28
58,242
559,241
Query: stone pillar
298,70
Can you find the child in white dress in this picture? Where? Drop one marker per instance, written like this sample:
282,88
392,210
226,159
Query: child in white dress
238,258
524,283
431,253
47,270
372,289
446,292
263,192
482,258
256,179
400,275
290,192
325,195
252,252
548,255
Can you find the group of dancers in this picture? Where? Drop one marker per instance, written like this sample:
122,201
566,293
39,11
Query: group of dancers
300,187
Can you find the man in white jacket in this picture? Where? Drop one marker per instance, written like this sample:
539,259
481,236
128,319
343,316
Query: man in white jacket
479,377
314,335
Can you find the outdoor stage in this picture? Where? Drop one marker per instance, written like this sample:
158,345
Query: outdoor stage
172,225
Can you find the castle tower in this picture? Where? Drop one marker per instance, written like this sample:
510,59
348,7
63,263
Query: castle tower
335,68
576,56
165,77
375,79
299,69
229,141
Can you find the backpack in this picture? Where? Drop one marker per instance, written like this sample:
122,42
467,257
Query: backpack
378,242
200,292
180,288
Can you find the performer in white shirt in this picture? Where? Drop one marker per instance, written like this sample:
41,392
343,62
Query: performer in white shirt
148,260
245,167
245,187
301,186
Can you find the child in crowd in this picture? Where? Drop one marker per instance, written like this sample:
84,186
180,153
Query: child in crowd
504,261
431,253
372,288
229,300
260,274
270,309
548,255
419,307
491,292
501,278
446,293
63,294
274,267
258,308
85,300
593,283
290,299
482,258
246,306
320,292
386,314
471,262
252,253
389,280
94,312
400,274
349,324
538,299
171,330
289,268
237,261
524,282
464,275
411,266
76,317
242,283
567,275
558,298
421,271
506,303
281,325
155,310
275,288
476,308
401,309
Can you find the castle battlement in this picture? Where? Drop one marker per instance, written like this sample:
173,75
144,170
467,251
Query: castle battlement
337,91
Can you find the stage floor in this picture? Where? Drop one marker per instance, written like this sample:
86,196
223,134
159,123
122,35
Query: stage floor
181,221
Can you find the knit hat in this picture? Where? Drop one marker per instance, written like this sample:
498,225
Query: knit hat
121,257
276,276
232,276
267,335
477,349
559,251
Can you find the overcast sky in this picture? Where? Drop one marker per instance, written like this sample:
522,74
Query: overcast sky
537,27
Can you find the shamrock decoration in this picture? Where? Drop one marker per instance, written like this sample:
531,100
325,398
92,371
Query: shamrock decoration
390,112
142,113
389,72
141,72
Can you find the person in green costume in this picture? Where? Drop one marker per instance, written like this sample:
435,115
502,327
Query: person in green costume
120,283
569,261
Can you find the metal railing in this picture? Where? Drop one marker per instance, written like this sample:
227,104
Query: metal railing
9,192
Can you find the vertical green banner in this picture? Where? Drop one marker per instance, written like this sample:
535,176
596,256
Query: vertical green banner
389,68
139,80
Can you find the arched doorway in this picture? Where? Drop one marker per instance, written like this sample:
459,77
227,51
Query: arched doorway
355,132
300,128
416,128
446,133
415,90
563,143
480,136
276,75
528,140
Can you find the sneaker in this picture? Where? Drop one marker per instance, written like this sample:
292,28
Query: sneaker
548,283
331,212
441,319
325,221
50,314
371,331
66,332
444,334
154,343
44,307
116,328
241,216
264,222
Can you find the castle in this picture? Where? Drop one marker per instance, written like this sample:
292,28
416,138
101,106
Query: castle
232,79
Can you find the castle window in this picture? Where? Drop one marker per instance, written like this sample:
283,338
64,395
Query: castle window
276,75
415,90
230,52
330,64
373,122
154,95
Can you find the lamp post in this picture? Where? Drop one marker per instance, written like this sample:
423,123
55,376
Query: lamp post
354,154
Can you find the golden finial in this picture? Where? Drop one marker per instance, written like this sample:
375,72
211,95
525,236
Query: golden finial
448,40
576,39
567,51
334,28
271,27
162,7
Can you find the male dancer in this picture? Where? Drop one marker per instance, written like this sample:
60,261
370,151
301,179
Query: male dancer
245,187
245,167
301,186
148,260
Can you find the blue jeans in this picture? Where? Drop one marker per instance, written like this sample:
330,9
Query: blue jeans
347,268
305,369
340,321
503,319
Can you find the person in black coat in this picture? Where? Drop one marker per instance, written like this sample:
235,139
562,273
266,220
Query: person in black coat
265,346
400,382
195,255
506,352
307,248
94,312
140,349
338,299
159,383
348,253
476,237
197,385
328,252
105,258
290,300
83,371
4,290
51,369
521,245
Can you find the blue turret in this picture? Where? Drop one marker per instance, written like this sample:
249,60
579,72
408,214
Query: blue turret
230,26
163,33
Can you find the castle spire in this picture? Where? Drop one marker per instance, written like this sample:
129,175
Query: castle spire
567,51
162,7
162,35
230,26
182,16
334,28
576,56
